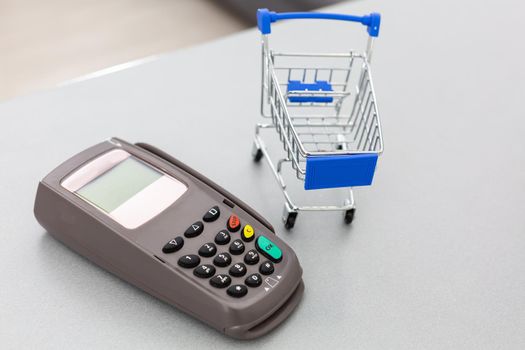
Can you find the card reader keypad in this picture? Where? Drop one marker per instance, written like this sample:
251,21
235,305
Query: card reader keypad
226,261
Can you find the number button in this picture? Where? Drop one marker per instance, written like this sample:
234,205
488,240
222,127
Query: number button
266,268
222,260
223,237
221,281
207,250
194,230
212,214
252,257
248,233
234,224
238,270
204,271
254,280
237,247
174,245
237,291
189,261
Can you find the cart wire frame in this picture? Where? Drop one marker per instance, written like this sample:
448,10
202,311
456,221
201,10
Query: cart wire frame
316,113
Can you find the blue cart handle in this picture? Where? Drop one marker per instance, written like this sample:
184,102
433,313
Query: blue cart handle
265,18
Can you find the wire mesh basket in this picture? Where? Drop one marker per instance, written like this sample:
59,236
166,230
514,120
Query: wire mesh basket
323,108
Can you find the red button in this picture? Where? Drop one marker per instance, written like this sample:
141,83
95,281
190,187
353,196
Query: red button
234,224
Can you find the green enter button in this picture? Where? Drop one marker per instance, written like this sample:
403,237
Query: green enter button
269,249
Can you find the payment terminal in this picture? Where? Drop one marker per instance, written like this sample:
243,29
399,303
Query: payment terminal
163,227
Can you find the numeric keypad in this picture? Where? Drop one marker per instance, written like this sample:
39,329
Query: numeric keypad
232,269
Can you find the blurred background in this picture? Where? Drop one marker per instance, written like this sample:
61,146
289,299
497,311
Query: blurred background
44,43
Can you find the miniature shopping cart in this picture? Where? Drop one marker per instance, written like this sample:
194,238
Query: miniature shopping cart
323,108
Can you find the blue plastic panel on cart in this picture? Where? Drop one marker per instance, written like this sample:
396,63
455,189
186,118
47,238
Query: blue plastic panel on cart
319,85
340,171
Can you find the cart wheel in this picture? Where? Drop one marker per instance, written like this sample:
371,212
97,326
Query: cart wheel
349,216
289,222
289,216
257,153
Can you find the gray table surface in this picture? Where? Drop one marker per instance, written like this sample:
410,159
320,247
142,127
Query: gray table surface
436,256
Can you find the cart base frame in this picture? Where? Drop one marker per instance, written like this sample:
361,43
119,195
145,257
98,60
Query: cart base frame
291,209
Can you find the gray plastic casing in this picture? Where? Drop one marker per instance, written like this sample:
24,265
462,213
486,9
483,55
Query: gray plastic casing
136,255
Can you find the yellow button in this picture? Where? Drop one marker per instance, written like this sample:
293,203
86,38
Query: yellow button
247,233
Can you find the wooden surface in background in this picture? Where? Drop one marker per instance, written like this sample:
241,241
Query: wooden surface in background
43,43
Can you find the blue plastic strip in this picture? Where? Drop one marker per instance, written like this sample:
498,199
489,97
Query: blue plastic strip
265,18
319,85
340,171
